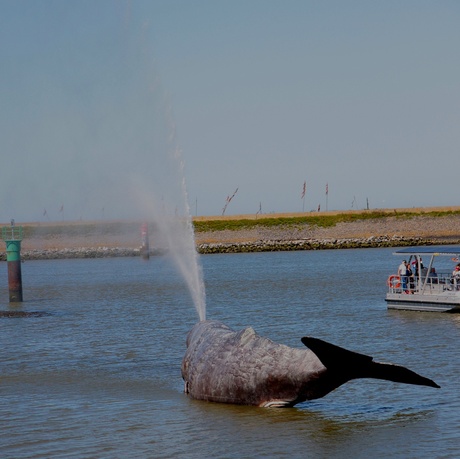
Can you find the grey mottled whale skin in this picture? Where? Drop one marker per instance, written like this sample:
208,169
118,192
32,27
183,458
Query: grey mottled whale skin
221,365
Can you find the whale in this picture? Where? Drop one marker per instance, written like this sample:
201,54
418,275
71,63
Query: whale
240,367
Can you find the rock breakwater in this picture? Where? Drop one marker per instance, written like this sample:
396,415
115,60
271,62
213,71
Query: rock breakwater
77,252
312,244
230,247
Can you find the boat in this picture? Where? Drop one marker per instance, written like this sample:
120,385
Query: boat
431,287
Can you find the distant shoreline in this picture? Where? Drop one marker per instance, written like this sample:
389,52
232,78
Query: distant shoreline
392,228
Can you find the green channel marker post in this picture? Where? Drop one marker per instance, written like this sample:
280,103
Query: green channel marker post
13,237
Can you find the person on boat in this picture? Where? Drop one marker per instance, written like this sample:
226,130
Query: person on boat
415,265
433,276
410,279
402,273
456,277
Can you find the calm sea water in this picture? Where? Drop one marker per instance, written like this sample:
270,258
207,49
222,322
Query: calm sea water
99,376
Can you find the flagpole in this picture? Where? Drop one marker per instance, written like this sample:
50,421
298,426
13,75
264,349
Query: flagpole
304,191
227,201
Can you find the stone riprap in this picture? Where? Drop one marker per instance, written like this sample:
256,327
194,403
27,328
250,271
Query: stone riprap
311,244
231,247
77,252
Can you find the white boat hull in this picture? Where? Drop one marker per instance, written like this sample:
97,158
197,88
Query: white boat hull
433,303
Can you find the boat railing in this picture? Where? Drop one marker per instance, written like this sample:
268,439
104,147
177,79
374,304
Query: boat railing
442,282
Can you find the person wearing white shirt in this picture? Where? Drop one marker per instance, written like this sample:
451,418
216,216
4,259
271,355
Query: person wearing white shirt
456,277
402,273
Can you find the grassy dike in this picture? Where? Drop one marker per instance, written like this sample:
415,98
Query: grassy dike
334,230
318,219
250,233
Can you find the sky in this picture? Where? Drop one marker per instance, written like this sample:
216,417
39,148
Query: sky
106,106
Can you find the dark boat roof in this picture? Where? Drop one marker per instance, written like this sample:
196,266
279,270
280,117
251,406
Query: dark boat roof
447,250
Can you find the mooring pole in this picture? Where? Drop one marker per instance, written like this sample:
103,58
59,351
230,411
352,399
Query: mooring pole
13,237
145,248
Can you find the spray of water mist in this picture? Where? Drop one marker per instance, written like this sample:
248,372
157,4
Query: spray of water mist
164,199
191,271
168,208
179,236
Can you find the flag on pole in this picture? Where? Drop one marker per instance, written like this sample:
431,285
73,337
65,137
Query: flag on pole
327,189
227,201
304,189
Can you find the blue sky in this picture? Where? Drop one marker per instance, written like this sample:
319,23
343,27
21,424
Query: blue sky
259,95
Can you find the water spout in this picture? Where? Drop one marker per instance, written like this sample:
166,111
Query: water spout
178,234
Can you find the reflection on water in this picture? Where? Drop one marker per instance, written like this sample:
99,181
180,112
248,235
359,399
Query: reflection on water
99,376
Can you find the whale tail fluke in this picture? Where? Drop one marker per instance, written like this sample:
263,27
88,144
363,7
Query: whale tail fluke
352,365
398,374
